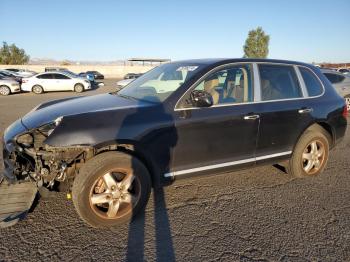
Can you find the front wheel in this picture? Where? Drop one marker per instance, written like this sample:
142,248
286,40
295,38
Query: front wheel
4,91
79,88
37,89
110,189
310,155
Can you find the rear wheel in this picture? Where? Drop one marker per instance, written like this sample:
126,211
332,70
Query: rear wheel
79,88
37,89
110,189
5,90
347,100
310,155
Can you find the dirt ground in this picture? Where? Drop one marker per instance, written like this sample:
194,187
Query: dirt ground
256,215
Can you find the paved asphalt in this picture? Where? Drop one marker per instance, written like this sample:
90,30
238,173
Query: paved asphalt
256,215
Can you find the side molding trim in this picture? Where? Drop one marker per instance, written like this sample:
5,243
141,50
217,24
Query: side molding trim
233,163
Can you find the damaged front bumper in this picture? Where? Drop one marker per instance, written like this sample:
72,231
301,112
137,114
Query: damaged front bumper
16,197
9,149
27,157
31,165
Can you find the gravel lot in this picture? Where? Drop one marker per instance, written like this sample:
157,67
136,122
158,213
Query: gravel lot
256,215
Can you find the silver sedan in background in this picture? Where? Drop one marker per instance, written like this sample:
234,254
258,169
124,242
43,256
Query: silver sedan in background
8,86
341,83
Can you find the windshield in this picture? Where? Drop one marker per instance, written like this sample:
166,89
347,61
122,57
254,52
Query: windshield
159,83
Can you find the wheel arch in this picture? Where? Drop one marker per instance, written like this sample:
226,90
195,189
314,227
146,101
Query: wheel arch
329,130
316,127
78,83
135,149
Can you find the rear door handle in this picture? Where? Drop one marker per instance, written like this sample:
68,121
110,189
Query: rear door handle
251,117
305,110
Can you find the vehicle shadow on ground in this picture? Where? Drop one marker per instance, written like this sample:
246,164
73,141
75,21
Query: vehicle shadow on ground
159,144
163,239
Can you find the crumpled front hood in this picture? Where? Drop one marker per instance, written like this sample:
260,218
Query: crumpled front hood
48,112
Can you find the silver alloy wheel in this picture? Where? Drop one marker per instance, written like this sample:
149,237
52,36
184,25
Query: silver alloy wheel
111,198
347,100
37,89
4,90
313,157
79,88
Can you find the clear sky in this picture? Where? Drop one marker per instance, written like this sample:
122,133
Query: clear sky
304,30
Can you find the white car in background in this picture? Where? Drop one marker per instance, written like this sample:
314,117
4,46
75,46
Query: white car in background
55,81
8,86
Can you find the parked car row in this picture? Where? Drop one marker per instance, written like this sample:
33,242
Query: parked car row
53,79
43,82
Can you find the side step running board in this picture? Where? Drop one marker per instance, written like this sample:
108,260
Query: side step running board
15,201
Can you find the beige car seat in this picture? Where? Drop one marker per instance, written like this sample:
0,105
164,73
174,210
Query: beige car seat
239,92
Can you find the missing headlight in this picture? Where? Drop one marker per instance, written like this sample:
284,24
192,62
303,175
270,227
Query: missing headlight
26,139
47,129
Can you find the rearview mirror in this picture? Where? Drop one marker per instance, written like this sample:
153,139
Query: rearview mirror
201,98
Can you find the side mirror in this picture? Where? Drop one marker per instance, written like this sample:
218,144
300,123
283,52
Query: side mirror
201,98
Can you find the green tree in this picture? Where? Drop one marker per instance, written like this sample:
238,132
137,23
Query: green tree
12,55
257,44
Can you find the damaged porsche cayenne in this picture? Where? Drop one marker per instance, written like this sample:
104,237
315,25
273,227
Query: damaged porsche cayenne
181,119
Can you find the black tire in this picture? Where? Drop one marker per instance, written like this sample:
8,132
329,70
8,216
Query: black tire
5,90
37,89
79,88
299,164
90,175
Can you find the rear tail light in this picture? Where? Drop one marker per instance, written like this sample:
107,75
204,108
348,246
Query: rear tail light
345,111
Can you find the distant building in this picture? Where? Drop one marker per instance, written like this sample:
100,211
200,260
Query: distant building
149,60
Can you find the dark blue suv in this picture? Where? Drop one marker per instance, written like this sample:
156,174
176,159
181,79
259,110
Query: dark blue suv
181,119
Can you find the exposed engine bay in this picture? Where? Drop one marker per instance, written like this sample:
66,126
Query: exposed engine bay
32,159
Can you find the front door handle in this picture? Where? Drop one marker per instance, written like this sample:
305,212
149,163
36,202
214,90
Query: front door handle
251,117
305,110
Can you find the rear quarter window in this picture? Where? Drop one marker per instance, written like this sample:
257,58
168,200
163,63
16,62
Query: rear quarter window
312,83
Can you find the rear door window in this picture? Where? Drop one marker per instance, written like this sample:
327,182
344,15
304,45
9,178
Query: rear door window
278,82
45,76
60,76
312,83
